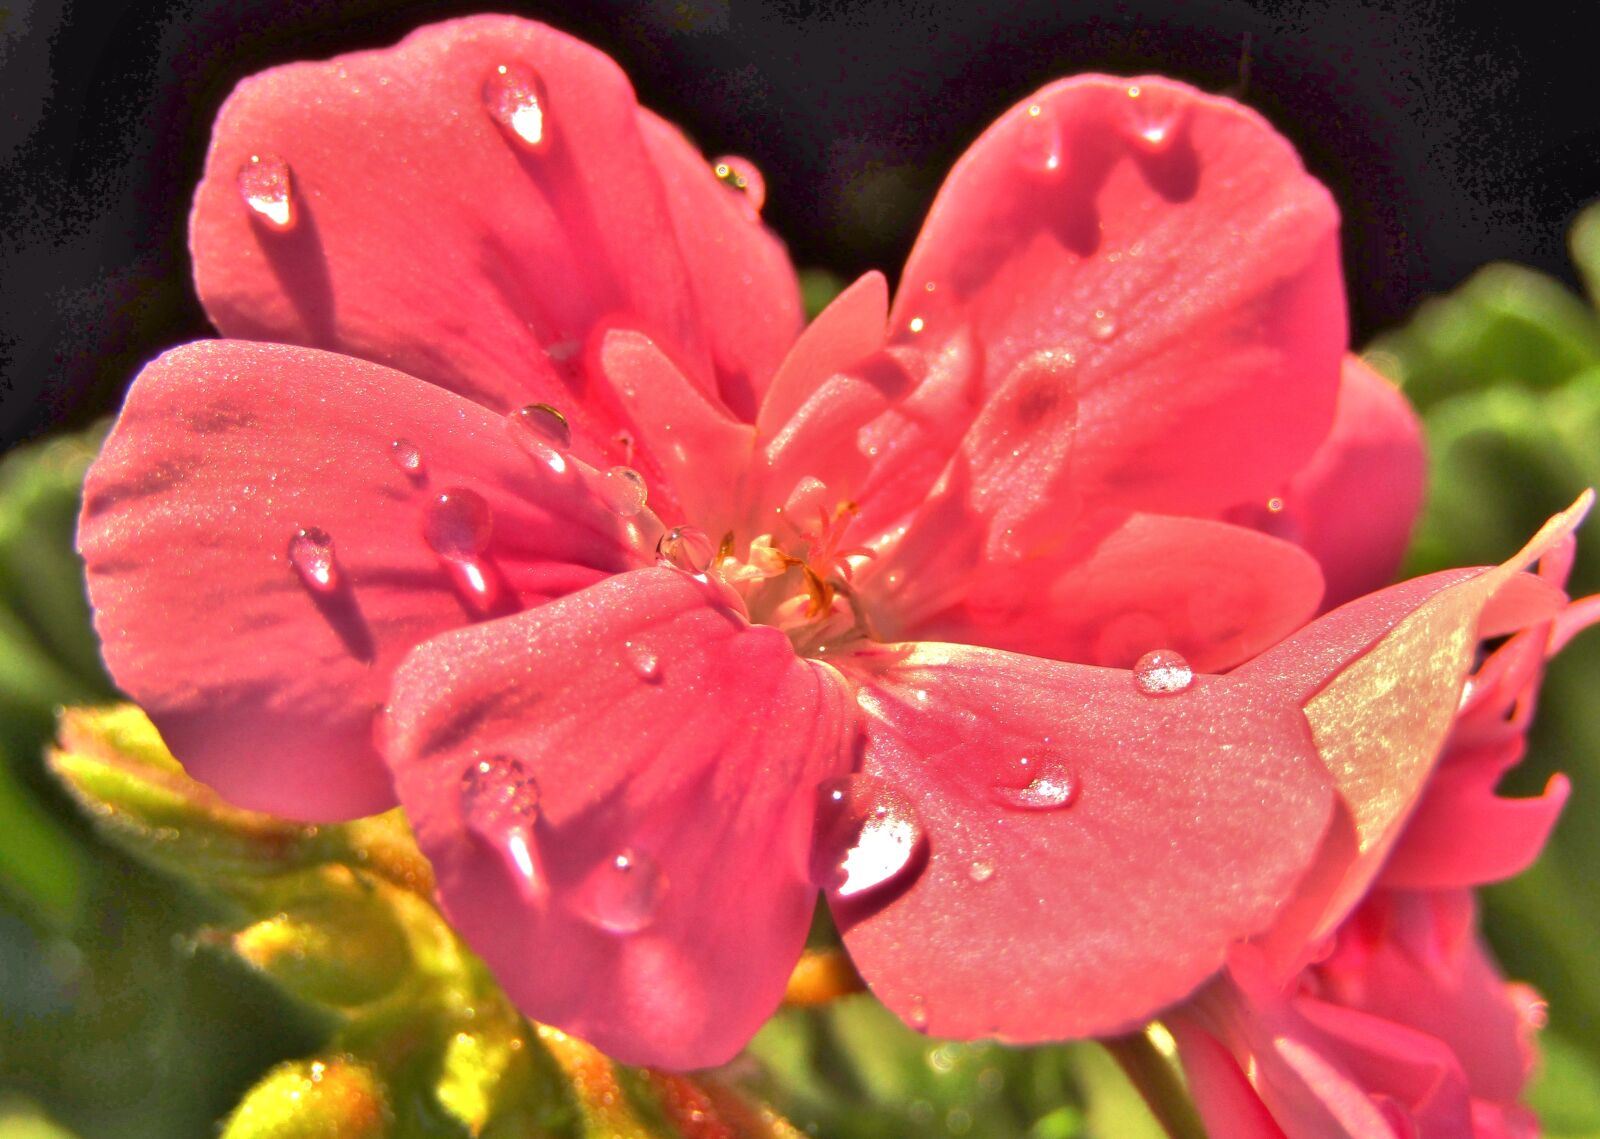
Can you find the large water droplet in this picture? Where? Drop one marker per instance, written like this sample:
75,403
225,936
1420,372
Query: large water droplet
1038,782
542,432
624,893
1039,145
458,524
741,175
407,456
1152,120
267,187
624,491
1162,672
499,803
498,793
867,835
516,99
686,547
311,555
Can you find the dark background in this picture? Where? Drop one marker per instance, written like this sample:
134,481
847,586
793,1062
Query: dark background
1451,134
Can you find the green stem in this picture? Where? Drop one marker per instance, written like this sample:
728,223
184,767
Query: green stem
1158,1082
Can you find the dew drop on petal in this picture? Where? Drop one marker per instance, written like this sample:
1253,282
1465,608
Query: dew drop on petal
917,1014
686,547
457,524
407,456
498,793
980,871
741,175
540,430
1102,326
1039,144
624,893
1036,783
646,665
867,835
1162,672
311,555
267,187
623,490
516,99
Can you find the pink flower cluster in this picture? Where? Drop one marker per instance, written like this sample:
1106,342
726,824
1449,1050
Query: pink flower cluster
518,495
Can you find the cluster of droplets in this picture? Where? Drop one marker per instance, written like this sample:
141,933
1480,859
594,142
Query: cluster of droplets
869,835
500,804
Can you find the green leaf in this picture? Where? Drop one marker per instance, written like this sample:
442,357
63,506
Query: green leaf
1566,1091
1507,324
818,287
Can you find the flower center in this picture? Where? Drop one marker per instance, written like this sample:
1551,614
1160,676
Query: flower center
798,578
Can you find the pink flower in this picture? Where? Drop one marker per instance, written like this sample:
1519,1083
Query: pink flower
1398,1025
339,567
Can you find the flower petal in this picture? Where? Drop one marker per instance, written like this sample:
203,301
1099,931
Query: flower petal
264,681
466,205
1173,244
1190,819
1353,505
659,727
1418,638
1218,594
745,288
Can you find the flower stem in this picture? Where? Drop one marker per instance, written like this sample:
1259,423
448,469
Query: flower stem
1158,1082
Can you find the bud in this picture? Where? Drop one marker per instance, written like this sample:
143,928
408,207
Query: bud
337,1098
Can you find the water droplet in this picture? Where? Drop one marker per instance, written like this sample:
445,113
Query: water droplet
1039,145
1037,782
646,665
457,524
980,871
1162,672
624,491
917,1014
311,555
267,187
516,99
686,547
497,793
1103,326
867,835
742,175
540,429
407,456
916,324
624,893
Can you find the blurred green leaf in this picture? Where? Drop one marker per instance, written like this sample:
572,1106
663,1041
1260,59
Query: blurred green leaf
1566,1091
818,287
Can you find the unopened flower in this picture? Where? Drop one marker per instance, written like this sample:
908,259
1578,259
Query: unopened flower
518,495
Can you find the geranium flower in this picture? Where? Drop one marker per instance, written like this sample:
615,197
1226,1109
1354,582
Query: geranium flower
518,495
1398,1024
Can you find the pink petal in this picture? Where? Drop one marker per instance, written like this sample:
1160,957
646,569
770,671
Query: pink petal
1397,662
1192,817
745,288
1416,959
1217,594
1353,505
653,721
694,455
261,682
1173,244
1227,1103
431,235
851,328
